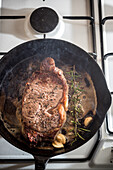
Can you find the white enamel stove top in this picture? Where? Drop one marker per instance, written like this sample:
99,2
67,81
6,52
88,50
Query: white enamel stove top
16,31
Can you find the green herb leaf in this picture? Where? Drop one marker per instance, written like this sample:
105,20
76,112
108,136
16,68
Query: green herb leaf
84,129
80,136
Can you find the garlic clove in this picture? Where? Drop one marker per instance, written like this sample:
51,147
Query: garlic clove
87,120
57,144
61,138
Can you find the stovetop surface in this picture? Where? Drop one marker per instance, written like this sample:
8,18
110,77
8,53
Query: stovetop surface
16,31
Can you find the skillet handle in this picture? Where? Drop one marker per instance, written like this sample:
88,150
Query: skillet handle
40,162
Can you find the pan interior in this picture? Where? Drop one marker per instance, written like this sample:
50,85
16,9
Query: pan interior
12,90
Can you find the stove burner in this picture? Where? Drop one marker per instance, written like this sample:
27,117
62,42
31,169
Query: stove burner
44,19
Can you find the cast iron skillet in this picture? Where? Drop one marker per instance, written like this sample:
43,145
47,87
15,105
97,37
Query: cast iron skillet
68,54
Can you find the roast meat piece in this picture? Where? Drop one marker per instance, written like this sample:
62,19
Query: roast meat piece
45,102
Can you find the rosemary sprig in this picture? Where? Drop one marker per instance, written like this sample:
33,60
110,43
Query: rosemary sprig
75,91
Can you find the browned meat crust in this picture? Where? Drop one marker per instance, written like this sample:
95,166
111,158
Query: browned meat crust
45,102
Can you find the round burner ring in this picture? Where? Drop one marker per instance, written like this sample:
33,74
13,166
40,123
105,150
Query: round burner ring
44,20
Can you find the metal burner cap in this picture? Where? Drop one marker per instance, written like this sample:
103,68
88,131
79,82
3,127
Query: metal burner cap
44,19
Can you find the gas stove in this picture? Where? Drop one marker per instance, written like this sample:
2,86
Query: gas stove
85,23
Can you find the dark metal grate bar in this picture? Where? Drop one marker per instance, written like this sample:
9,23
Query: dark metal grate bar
101,34
44,36
107,55
79,18
106,19
93,26
3,53
94,55
12,17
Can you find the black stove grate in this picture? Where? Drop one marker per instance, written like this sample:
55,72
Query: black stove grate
102,22
12,17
